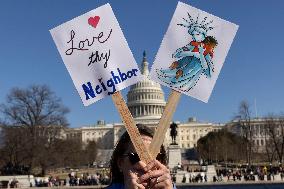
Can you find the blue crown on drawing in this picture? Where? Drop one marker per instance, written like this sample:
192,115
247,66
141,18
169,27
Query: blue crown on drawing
195,24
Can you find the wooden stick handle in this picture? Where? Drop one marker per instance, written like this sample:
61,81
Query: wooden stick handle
131,128
164,123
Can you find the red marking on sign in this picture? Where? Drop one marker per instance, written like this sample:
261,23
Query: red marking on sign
93,21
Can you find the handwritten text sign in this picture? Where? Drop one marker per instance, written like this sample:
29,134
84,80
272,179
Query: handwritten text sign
193,51
96,54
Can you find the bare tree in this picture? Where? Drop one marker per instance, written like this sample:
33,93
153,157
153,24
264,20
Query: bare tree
246,128
34,106
269,149
275,132
14,149
38,115
91,152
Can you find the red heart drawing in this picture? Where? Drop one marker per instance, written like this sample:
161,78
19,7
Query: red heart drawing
93,21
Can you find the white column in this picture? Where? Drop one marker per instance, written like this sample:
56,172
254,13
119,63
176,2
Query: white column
137,110
156,110
146,109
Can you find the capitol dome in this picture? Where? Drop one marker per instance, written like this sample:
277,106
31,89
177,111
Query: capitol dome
145,99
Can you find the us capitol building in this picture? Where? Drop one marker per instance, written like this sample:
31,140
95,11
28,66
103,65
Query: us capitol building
146,103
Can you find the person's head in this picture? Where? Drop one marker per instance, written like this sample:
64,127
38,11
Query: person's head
210,41
124,155
197,27
198,33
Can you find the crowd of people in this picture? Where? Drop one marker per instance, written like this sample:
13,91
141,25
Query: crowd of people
254,173
196,177
87,179
250,174
74,180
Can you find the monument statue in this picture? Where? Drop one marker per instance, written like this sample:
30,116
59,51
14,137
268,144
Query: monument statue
173,133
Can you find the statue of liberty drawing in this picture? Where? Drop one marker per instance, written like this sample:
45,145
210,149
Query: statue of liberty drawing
192,60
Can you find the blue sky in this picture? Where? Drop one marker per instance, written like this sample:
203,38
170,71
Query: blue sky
253,69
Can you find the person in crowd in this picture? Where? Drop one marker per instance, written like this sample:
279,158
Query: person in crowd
128,172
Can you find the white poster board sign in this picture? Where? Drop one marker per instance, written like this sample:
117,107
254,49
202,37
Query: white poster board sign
193,51
96,54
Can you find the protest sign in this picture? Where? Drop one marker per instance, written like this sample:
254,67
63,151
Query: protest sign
96,54
100,63
190,58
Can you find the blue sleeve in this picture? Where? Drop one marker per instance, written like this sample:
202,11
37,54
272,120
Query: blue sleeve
115,186
210,69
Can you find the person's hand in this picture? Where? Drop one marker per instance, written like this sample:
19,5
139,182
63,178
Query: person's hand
158,175
131,178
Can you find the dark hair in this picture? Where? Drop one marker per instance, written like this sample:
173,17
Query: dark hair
122,146
210,40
